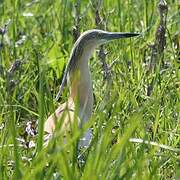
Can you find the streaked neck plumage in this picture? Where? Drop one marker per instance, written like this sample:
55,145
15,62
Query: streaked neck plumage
80,80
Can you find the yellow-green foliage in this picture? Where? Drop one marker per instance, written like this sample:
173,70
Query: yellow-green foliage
35,43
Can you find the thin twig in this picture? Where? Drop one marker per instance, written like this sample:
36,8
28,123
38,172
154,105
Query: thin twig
157,48
102,55
77,19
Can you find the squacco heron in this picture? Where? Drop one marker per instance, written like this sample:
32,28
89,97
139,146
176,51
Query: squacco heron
79,79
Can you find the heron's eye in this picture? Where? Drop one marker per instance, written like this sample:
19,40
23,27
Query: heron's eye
100,35
92,36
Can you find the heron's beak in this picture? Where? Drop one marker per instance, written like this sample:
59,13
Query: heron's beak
117,35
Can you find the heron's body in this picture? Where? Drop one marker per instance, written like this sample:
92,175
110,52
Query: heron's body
78,75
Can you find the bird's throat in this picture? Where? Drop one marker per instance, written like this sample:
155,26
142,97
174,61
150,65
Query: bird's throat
81,91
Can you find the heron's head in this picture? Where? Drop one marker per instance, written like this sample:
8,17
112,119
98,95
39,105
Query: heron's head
97,37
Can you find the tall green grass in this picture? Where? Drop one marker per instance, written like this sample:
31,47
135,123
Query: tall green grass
39,39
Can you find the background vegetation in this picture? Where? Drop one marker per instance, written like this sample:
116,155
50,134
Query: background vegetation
138,100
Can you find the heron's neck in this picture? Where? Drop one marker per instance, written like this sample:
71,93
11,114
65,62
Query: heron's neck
81,87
